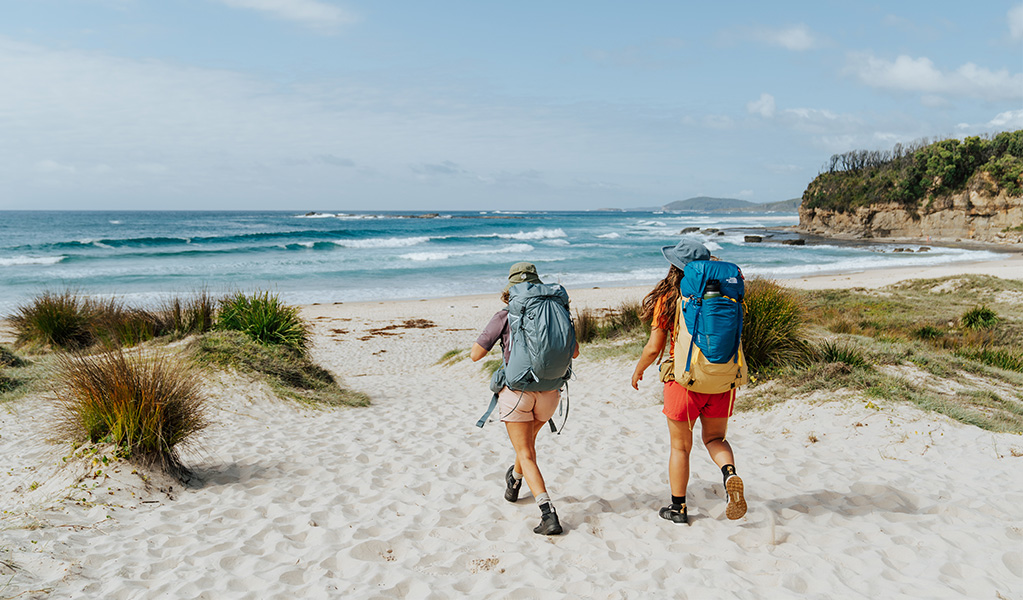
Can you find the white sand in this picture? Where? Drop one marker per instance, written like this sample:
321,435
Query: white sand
403,499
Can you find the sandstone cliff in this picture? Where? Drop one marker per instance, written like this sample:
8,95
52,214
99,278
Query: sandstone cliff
973,214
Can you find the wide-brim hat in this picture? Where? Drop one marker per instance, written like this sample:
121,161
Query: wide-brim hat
684,252
520,272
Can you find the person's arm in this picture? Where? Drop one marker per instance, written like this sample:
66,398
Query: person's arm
477,352
576,353
653,348
491,334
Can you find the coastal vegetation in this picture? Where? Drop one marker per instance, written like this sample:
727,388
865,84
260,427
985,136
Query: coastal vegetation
915,174
146,404
952,345
146,401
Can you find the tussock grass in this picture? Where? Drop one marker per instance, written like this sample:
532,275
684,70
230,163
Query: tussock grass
491,365
609,323
289,371
773,326
147,404
981,317
264,318
195,314
61,320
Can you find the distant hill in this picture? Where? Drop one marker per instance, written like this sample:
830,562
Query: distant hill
707,204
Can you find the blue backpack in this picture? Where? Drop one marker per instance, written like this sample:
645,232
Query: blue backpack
542,342
710,328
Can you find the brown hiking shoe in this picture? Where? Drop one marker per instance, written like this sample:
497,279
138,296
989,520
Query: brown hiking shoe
736,502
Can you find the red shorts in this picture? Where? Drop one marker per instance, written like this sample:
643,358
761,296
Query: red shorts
681,404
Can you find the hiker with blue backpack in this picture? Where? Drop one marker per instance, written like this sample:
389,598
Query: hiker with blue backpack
697,309
538,342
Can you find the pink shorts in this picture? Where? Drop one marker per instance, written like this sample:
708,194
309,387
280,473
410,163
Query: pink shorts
522,407
681,404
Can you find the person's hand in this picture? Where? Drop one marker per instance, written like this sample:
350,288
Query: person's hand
636,378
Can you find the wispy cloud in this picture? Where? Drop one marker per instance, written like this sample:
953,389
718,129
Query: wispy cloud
311,13
764,106
910,74
1015,18
795,37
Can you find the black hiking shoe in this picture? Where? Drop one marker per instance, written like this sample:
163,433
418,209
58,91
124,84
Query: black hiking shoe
511,493
736,502
674,515
549,524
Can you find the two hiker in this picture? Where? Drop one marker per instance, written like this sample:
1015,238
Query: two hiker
706,389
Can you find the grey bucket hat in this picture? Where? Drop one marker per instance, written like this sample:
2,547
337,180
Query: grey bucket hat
522,271
685,251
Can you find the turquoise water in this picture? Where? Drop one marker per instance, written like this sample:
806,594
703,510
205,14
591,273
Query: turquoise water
145,256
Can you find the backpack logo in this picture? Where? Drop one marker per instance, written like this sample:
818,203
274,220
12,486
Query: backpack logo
708,328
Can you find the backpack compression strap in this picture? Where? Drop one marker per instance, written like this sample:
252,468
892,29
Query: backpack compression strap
490,409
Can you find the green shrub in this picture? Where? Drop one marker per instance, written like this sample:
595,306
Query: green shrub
55,320
264,318
981,317
772,334
145,404
289,370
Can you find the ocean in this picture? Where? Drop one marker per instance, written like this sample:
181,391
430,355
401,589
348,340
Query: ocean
144,257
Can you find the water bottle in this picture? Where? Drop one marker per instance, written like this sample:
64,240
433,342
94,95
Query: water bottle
713,289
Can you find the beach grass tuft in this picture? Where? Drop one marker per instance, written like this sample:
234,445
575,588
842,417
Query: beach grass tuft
288,370
609,323
192,315
264,318
981,317
147,404
10,359
61,320
773,326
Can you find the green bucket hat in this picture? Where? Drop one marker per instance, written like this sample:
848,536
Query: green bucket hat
520,272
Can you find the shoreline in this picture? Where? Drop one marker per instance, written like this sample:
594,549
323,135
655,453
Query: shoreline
590,297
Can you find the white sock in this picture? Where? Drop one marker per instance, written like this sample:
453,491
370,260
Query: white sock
516,475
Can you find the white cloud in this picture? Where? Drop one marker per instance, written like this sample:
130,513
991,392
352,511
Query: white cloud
920,75
796,37
764,106
1015,18
311,13
1010,119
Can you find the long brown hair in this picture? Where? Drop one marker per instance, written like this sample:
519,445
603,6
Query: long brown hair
668,288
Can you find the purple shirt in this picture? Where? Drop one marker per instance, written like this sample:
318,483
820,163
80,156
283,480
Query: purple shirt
497,329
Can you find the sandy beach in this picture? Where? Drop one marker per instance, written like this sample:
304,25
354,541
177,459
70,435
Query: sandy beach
403,499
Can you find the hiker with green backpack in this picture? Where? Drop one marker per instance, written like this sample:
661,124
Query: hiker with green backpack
538,342
698,308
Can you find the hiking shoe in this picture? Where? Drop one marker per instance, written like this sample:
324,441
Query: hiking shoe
511,493
736,503
549,524
674,515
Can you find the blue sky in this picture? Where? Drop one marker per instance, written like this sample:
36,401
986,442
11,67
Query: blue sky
355,105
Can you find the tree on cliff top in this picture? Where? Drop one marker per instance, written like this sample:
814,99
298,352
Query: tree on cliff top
916,174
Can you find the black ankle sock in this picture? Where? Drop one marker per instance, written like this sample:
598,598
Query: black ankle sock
727,471
677,502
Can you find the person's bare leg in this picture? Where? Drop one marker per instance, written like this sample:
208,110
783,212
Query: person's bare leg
681,434
721,453
523,439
